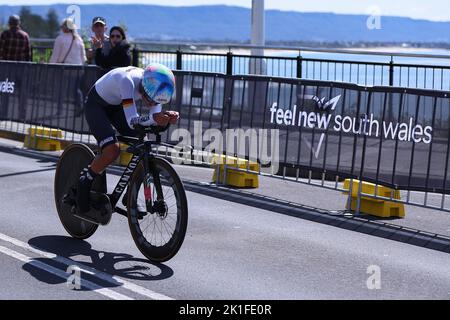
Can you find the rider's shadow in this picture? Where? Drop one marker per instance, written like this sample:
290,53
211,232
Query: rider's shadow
113,264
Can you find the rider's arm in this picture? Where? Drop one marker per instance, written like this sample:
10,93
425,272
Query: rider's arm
148,119
129,106
128,103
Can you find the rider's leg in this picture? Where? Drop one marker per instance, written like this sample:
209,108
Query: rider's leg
99,120
108,155
87,177
119,121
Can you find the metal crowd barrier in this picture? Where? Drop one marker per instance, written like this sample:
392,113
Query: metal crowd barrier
368,73
313,132
366,68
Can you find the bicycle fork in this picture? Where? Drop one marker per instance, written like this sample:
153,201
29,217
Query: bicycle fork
157,205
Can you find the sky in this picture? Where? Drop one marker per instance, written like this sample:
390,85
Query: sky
436,10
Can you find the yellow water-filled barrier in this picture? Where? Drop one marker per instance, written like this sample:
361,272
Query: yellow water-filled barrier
43,139
234,177
375,207
124,157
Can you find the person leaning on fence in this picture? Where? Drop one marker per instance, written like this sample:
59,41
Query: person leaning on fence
68,47
119,54
14,42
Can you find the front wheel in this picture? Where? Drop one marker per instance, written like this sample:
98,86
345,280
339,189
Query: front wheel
157,235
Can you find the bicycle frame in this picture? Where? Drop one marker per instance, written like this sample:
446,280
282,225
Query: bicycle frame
124,180
141,151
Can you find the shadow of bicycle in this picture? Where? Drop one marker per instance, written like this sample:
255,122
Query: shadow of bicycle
104,264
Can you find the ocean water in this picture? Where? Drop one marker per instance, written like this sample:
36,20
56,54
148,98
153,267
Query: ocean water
361,69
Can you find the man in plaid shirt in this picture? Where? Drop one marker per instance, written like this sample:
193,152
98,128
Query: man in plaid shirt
15,43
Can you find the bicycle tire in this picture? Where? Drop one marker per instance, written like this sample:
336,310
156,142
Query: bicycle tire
152,251
74,158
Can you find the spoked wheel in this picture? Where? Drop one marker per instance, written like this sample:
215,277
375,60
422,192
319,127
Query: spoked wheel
158,235
75,158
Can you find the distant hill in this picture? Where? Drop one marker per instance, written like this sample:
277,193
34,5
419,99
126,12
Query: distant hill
227,23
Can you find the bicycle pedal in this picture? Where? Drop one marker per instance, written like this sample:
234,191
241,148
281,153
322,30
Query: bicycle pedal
84,217
100,212
101,207
99,217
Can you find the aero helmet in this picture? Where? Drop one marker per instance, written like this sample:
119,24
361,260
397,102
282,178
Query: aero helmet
158,83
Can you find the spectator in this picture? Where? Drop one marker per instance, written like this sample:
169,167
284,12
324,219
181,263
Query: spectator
119,54
69,47
15,43
99,29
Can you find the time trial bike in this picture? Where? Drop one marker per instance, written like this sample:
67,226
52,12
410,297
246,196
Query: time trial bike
154,199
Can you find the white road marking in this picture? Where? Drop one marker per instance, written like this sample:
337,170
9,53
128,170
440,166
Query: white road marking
115,280
63,275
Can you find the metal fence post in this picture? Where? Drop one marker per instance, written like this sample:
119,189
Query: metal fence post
135,57
299,66
179,60
391,72
229,63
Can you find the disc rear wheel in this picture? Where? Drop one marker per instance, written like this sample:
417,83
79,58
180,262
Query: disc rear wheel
75,158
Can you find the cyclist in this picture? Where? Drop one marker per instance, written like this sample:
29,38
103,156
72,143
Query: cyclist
112,102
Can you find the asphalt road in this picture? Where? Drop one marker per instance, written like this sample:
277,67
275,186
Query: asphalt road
231,251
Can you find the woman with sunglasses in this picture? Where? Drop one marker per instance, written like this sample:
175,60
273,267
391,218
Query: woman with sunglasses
118,56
